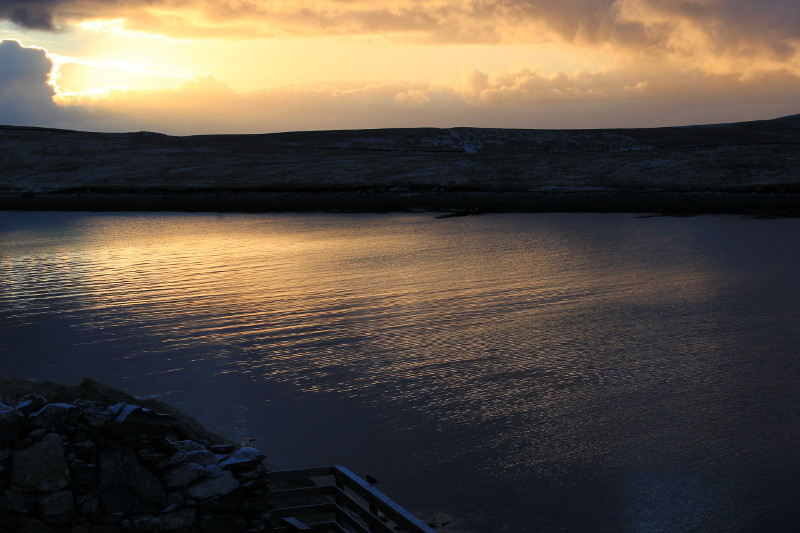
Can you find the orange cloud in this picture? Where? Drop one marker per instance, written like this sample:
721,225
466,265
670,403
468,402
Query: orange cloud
733,25
523,99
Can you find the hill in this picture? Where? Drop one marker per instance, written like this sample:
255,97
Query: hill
739,167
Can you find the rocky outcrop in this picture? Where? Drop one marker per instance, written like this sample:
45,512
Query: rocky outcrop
89,467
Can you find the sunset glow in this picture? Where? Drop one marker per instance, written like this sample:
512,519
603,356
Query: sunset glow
199,66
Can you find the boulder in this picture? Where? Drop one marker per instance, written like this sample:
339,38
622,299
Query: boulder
223,449
104,528
41,467
142,524
188,446
133,421
12,423
178,519
57,507
175,459
30,403
83,474
222,523
15,523
87,503
12,501
126,485
183,475
56,417
202,457
85,450
213,470
95,414
242,459
208,488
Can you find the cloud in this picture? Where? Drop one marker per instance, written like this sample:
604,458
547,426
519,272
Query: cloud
523,99
722,37
741,26
731,24
35,14
622,95
26,97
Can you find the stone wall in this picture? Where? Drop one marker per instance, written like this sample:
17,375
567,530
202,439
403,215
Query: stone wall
91,467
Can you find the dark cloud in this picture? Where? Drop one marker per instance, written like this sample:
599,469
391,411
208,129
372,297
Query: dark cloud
743,26
26,98
33,14
739,27
49,15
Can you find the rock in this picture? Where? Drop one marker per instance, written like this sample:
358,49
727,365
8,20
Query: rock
208,488
255,485
15,523
250,475
81,528
37,434
126,485
14,501
183,475
41,467
201,457
152,459
95,414
243,459
85,450
107,518
213,471
175,498
222,523
223,449
87,503
108,470
178,519
57,507
133,421
220,505
19,444
56,417
175,459
83,474
142,524
260,506
30,403
188,446
104,528
78,435
12,422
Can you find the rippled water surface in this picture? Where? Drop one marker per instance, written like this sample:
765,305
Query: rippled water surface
508,373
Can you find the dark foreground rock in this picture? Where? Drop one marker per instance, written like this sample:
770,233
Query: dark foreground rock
88,466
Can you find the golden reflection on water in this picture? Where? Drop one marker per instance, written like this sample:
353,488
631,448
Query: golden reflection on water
528,347
280,283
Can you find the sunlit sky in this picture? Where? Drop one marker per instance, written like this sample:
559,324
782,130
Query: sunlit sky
225,66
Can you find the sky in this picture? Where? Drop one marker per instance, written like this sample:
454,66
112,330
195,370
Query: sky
257,66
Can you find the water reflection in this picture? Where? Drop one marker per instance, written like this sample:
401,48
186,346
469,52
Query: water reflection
593,372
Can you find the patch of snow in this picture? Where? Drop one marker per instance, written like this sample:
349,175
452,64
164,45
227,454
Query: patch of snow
472,147
560,188
631,148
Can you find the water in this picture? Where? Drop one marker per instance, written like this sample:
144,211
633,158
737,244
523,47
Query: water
507,372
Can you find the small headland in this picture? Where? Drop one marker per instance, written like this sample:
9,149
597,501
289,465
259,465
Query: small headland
92,459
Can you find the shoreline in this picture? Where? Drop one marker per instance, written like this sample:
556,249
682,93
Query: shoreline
679,203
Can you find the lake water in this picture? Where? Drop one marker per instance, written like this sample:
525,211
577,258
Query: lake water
510,373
